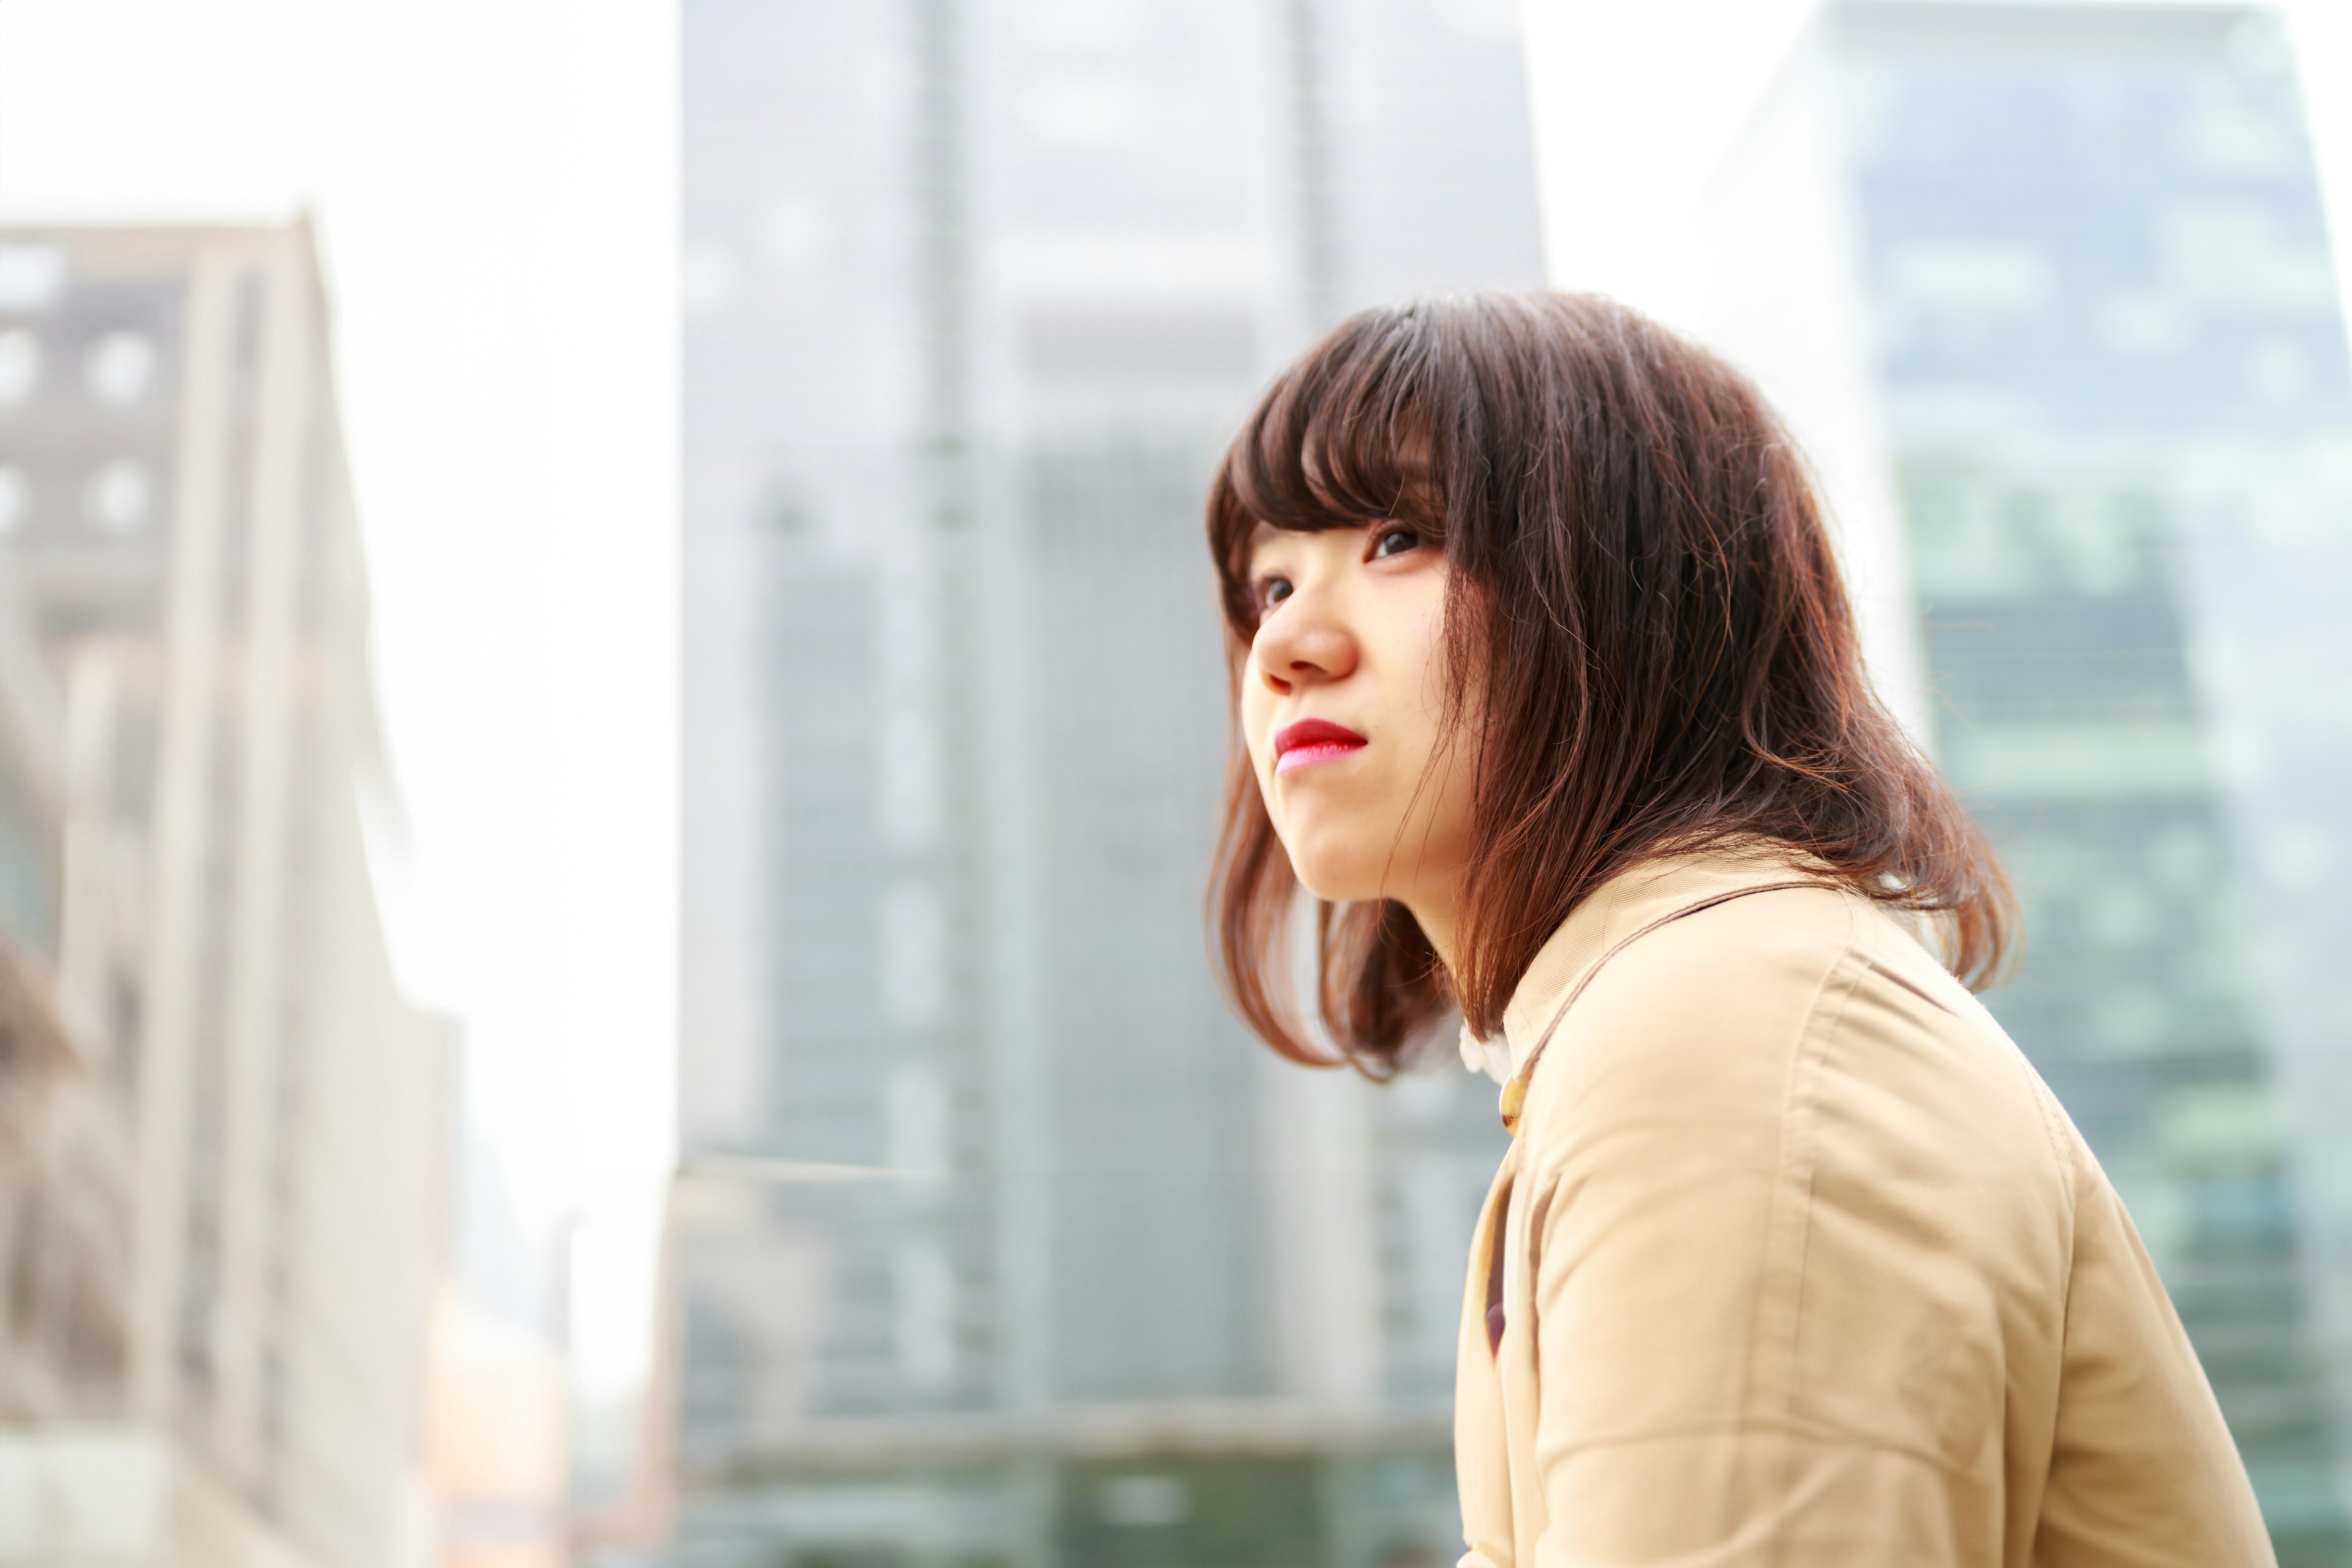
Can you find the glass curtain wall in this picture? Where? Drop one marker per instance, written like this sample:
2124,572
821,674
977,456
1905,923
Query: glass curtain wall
2115,376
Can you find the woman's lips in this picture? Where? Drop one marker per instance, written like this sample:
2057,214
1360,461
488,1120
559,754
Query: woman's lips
1312,741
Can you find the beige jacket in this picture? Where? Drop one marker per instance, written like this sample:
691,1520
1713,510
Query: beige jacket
1801,1265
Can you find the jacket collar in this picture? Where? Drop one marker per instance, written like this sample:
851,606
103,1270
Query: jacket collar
1628,903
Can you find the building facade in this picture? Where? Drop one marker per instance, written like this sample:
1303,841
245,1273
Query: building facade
231,1227
996,1238
2105,381
2104,368
49,1350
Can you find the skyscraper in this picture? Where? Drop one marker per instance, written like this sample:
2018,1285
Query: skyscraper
44,1350
2101,341
995,1235
234,1212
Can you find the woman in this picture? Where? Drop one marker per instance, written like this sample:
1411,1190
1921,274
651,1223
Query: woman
1552,698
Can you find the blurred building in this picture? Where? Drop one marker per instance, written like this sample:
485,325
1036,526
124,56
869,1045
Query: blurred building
47,1349
997,1240
224,1245
2099,351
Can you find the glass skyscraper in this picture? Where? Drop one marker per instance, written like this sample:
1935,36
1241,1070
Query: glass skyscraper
995,1239
2112,370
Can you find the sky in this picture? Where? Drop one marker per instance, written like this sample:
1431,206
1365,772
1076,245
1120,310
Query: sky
495,187
494,183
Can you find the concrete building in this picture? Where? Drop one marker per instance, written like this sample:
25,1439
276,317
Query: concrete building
66,1291
240,1186
2049,286
996,1237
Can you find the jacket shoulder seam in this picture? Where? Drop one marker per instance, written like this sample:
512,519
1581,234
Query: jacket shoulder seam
1799,1165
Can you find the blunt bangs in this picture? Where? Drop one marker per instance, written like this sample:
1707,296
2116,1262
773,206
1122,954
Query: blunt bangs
1338,442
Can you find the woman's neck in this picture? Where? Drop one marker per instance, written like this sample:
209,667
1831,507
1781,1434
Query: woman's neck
1436,918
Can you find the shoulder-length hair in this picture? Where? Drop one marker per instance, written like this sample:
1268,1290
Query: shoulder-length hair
1643,597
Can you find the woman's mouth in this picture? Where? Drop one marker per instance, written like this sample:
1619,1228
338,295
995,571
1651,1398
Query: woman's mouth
1312,741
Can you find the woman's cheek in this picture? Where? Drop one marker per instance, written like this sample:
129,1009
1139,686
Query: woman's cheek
1254,722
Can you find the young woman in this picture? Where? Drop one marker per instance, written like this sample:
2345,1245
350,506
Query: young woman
1551,701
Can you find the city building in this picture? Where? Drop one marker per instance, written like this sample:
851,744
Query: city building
50,1345
229,1236
996,1238
2059,275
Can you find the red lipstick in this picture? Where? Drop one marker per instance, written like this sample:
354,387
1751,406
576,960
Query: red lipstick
1312,741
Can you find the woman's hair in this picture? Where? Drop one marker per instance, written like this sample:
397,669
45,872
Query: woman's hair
1643,601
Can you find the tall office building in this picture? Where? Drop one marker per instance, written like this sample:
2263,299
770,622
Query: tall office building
231,1222
975,294
2103,360
46,1345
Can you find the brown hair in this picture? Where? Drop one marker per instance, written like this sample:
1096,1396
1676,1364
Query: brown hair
1643,594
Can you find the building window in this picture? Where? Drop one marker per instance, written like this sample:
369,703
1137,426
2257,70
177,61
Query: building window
30,276
120,369
16,499
119,498
914,956
923,1281
915,1120
20,365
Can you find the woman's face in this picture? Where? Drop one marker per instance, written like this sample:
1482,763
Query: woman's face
1343,705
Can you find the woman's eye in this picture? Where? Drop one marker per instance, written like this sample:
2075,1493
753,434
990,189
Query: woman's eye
1272,591
1394,542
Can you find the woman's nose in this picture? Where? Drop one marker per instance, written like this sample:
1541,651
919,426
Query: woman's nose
1302,644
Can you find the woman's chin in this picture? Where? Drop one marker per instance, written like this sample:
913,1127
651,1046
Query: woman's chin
1343,883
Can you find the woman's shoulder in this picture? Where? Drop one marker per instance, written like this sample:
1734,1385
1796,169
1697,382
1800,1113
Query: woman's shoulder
1807,1003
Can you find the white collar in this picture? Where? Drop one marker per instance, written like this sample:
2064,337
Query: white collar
1492,1057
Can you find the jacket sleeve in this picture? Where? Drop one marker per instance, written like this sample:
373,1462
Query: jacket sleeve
1744,1355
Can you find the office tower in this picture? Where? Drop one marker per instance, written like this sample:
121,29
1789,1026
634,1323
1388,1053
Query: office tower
995,1236
250,1149
44,1344
2108,365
